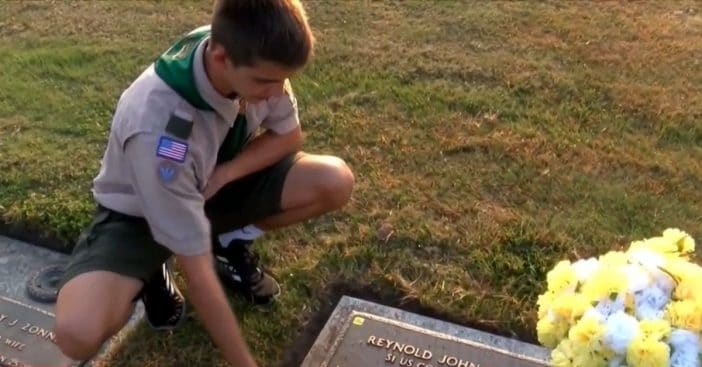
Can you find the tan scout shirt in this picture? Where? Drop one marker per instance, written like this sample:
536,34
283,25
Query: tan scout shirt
138,179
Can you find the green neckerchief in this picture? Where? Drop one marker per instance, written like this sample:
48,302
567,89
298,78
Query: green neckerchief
234,141
175,68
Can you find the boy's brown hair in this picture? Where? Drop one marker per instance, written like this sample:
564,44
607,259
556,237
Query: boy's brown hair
270,30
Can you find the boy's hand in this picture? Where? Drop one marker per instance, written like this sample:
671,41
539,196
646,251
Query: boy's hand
263,151
221,176
208,297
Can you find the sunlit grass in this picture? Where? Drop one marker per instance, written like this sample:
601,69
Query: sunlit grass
489,141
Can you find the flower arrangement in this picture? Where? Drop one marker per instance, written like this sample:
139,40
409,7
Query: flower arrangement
639,308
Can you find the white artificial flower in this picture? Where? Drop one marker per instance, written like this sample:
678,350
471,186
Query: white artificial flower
595,314
683,358
620,329
681,339
585,268
638,278
607,307
646,312
663,281
658,297
650,303
649,259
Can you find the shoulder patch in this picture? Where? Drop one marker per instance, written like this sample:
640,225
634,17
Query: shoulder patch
179,127
167,171
172,149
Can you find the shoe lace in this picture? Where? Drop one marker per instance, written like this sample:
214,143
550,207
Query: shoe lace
160,295
250,259
169,285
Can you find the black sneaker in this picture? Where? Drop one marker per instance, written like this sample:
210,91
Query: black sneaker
237,267
164,305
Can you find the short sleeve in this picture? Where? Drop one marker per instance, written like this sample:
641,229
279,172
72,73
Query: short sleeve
283,114
164,179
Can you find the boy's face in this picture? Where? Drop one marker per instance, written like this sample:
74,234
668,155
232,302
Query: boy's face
255,83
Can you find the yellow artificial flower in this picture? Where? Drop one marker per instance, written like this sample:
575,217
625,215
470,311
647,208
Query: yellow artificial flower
570,307
637,245
587,333
561,277
644,352
562,356
655,330
577,339
688,277
605,282
545,302
550,332
587,358
684,242
585,353
661,245
685,314
580,306
688,288
685,268
673,244
696,295
613,259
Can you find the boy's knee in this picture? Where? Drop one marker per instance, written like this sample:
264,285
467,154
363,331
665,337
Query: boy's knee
77,339
336,184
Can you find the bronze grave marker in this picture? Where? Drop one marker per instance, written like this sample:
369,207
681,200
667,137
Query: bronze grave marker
364,334
27,338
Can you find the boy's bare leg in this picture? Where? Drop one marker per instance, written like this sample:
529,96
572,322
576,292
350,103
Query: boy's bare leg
91,308
316,184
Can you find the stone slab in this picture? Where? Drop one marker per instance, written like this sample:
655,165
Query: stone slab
18,261
362,333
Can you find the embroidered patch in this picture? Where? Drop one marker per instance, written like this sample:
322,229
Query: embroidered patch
167,171
179,127
172,149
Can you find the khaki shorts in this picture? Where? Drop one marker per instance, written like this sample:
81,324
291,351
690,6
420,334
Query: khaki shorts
123,244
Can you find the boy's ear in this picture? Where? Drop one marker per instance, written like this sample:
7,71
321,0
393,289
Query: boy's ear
219,54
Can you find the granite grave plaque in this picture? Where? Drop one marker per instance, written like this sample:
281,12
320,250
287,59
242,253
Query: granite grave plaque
365,334
27,338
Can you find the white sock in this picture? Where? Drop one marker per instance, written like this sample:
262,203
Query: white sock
250,232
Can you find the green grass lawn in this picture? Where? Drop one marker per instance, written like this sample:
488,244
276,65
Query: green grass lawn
489,140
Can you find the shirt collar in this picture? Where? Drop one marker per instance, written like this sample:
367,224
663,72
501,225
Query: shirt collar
226,107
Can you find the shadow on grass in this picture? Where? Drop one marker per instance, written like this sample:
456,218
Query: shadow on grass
34,236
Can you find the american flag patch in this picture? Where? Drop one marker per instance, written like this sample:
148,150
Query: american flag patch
172,149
